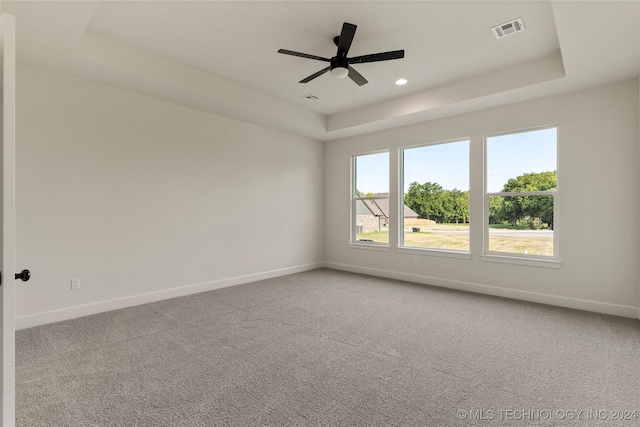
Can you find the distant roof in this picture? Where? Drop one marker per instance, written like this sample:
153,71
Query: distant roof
374,206
380,207
409,213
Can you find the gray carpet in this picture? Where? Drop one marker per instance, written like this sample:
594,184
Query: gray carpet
330,348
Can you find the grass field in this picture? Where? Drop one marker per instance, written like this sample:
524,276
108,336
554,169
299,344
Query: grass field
460,241
425,239
522,245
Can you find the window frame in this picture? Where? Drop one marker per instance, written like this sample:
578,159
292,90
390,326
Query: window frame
552,261
353,241
417,250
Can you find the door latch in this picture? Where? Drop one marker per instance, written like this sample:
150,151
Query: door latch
24,275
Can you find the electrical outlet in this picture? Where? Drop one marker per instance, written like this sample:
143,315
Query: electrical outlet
295,252
416,260
75,284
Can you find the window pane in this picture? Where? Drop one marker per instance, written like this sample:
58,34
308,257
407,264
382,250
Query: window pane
371,193
372,220
436,196
372,174
521,224
522,161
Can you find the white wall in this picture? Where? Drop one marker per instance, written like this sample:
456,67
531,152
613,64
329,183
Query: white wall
136,196
142,200
599,202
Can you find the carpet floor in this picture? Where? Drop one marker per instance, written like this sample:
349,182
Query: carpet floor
329,348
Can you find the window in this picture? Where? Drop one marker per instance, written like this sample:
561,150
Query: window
435,180
522,194
370,199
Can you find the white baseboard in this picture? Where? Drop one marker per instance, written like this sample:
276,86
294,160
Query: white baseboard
560,301
31,320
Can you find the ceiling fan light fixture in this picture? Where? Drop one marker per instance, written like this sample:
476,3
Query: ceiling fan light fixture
339,72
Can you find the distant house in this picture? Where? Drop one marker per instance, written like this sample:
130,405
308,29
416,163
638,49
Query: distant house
372,214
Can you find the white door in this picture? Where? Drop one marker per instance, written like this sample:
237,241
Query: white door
7,218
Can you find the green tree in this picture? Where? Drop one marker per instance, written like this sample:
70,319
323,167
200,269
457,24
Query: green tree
460,206
534,181
425,200
515,208
496,210
431,201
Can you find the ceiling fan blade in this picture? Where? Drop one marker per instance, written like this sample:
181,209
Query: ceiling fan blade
375,57
357,77
346,37
303,55
314,75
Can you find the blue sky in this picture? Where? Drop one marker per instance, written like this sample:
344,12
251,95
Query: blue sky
372,173
446,164
508,156
512,155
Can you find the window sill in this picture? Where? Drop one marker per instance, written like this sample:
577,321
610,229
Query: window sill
370,246
533,262
434,252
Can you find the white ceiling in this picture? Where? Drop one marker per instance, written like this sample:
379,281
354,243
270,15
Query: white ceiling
221,56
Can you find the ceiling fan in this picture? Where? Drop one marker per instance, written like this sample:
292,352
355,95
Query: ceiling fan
340,65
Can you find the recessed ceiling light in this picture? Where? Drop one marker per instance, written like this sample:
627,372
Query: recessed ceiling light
401,82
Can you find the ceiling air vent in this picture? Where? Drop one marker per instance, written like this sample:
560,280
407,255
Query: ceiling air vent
508,28
310,97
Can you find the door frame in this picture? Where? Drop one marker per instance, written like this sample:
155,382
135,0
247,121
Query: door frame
7,217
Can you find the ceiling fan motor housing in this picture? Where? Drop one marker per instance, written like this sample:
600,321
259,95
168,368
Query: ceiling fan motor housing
339,67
